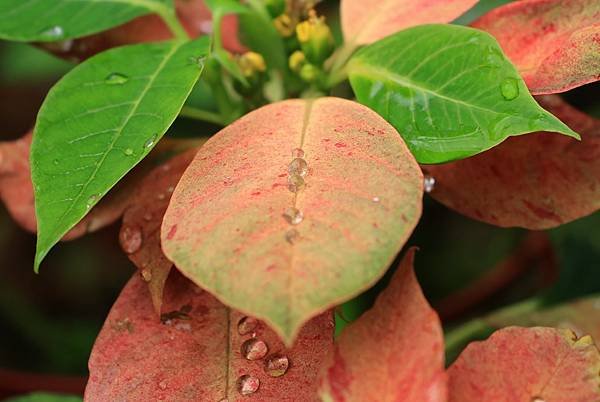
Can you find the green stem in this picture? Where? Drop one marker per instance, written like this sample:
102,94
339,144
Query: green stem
337,64
204,115
170,18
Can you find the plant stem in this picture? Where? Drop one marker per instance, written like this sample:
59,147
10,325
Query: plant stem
170,18
204,115
337,64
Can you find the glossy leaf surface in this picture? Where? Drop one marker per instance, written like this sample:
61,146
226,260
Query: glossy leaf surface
393,352
364,22
99,121
555,44
43,20
527,364
535,181
448,90
195,353
235,229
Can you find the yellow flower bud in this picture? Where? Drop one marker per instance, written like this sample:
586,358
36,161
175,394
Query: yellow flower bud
296,61
284,25
315,38
251,63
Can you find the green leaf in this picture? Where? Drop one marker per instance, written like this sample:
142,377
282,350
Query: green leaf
225,6
236,227
99,121
44,397
51,20
448,90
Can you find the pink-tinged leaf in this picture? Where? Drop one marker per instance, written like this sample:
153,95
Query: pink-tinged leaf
393,352
140,232
555,44
535,181
234,227
364,22
196,353
527,365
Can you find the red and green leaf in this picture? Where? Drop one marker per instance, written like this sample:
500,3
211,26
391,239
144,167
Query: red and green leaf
393,352
194,353
229,226
534,181
555,44
527,364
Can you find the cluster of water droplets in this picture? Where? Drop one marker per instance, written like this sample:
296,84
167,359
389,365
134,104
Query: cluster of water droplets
297,171
428,183
254,349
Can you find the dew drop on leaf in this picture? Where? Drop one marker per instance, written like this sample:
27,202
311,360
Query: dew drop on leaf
297,153
56,161
277,365
55,32
116,79
291,236
92,199
295,183
428,184
247,384
375,199
130,238
293,216
298,167
128,151
146,275
254,349
150,142
246,325
509,88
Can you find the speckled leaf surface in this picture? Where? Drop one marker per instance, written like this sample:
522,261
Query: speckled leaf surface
535,181
140,233
43,20
99,121
225,227
364,22
522,364
195,352
448,90
393,352
555,44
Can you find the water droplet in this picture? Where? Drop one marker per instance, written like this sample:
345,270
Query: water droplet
130,238
247,384
55,32
297,153
293,216
428,184
92,199
277,365
162,385
291,235
56,161
128,151
375,199
247,325
298,167
170,189
150,142
123,325
509,88
116,79
254,349
295,183
146,275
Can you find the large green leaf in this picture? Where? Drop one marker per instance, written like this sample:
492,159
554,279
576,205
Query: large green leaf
234,227
99,121
51,20
448,90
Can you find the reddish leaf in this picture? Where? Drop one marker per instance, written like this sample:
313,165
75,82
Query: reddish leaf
555,44
196,353
140,233
534,181
394,352
234,227
527,364
193,14
364,22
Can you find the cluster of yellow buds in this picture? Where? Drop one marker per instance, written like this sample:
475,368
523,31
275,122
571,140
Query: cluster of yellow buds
251,64
316,40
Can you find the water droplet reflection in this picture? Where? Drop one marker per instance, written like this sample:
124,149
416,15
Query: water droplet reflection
295,183
277,365
428,184
116,79
246,325
509,88
254,349
298,167
293,216
247,384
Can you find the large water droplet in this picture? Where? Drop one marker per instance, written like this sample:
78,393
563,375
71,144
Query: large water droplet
254,349
247,384
128,151
428,184
297,153
130,238
116,79
509,88
295,183
55,32
293,216
298,167
277,365
146,275
291,236
246,325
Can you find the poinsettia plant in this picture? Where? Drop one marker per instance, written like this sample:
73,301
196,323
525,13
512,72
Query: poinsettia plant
247,241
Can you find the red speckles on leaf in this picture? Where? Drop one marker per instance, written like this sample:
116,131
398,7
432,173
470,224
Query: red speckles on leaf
555,44
534,181
393,352
340,145
521,364
196,353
